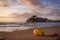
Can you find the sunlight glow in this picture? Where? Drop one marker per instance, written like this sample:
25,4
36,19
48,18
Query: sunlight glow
13,9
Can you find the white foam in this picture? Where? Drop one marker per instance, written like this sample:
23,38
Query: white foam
11,29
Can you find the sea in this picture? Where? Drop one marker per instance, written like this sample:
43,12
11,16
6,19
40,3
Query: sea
10,27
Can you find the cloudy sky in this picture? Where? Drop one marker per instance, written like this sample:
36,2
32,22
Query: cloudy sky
20,10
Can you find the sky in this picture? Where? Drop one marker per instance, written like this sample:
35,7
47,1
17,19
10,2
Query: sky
20,10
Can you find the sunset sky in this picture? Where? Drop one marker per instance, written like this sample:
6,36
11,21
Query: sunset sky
20,10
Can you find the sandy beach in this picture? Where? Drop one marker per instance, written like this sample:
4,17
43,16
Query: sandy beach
28,34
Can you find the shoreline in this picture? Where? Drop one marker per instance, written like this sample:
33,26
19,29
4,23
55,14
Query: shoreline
28,34
11,29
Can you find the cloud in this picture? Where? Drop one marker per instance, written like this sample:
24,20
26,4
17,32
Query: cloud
45,10
16,17
2,3
19,15
36,8
28,15
32,3
7,3
11,19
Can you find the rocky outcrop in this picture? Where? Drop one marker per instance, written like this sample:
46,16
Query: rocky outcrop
34,18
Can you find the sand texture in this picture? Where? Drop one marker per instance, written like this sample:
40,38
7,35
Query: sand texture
51,33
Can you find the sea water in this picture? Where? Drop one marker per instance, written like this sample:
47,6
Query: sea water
8,27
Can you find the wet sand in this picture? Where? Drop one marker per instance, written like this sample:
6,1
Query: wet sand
28,34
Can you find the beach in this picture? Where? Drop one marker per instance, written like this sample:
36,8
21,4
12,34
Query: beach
28,34
29,19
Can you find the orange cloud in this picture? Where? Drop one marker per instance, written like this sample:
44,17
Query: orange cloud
1,4
31,3
37,8
19,1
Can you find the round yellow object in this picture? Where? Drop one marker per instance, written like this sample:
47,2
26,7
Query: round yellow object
37,32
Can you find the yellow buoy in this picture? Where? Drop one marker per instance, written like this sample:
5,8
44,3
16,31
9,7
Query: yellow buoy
38,32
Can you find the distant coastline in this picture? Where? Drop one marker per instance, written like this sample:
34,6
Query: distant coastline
34,18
